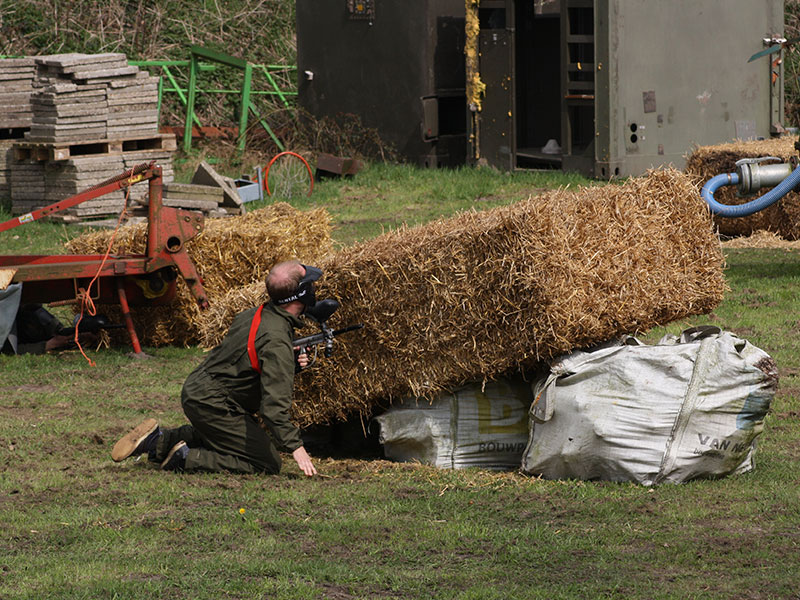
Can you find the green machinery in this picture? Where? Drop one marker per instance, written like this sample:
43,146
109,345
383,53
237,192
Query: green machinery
204,60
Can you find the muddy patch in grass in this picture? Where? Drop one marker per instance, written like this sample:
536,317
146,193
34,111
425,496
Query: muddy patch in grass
28,388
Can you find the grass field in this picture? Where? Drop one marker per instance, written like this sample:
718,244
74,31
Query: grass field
384,196
76,525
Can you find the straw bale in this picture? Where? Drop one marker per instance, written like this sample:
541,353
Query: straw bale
228,253
762,239
783,217
477,295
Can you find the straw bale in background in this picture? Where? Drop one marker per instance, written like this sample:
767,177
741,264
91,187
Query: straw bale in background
762,239
783,217
483,293
228,253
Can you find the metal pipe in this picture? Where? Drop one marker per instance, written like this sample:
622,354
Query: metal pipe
126,315
753,206
754,175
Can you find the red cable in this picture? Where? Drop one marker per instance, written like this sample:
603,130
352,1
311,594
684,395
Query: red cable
87,304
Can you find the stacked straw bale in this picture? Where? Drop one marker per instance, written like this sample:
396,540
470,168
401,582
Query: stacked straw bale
228,254
783,217
483,293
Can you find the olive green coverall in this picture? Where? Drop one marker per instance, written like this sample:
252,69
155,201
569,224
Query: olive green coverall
221,395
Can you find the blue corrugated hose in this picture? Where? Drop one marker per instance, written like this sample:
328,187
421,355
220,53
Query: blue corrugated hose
753,206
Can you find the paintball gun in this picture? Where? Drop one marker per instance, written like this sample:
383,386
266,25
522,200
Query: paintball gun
89,324
320,313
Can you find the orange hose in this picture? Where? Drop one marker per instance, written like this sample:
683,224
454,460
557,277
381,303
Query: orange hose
87,305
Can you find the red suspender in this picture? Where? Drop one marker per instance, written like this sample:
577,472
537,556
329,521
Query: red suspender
251,340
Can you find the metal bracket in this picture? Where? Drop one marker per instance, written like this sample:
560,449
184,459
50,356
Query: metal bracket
748,161
753,175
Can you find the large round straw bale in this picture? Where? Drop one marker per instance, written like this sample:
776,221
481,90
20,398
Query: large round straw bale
783,217
482,293
228,253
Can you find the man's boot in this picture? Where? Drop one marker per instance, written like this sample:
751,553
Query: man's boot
142,438
176,459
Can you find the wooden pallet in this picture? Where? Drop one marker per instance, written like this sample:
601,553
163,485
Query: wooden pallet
42,151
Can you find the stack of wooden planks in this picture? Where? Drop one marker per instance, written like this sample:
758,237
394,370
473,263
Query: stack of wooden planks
16,86
89,97
92,116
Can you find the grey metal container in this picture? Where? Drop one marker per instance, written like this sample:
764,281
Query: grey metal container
670,75
623,85
619,86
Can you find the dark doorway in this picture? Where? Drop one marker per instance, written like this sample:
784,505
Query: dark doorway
538,86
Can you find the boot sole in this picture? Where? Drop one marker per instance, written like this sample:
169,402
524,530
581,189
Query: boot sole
125,446
172,452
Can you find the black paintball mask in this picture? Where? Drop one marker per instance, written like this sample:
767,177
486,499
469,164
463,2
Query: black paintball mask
305,289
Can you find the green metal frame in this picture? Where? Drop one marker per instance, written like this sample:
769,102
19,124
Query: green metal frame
188,95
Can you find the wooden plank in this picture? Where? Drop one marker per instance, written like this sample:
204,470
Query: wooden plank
65,149
14,123
76,58
91,99
90,212
17,62
114,130
59,121
66,87
131,90
103,74
189,188
206,175
13,98
190,204
68,110
132,118
174,197
25,77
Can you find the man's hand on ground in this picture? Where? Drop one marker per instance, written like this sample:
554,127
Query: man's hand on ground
304,461
58,342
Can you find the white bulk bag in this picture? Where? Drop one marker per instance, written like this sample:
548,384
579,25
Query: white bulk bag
9,305
475,426
686,408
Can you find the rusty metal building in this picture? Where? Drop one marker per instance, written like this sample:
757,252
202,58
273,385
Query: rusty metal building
605,87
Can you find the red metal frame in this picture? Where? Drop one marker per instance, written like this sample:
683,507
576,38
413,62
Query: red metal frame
60,278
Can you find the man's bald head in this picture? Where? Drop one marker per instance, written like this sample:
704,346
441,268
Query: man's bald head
283,279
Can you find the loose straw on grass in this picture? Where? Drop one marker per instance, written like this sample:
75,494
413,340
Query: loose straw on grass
762,239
